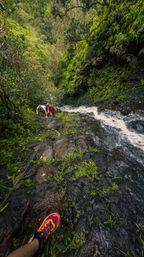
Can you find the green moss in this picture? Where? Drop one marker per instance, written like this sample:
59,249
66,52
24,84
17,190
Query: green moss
44,135
44,161
67,117
66,160
91,221
59,178
111,221
78,240
29,183
120,98
66,242
106,191
88,169
62,193
69,125
92,202
17,242
72,130
93,191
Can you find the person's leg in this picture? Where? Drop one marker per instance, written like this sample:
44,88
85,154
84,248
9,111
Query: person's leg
46,113
27,250
37,109
50,223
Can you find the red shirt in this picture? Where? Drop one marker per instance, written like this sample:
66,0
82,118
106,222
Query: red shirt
51,109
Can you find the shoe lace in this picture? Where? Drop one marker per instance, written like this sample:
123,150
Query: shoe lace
49,228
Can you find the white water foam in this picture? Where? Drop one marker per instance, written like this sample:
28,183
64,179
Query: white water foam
114,120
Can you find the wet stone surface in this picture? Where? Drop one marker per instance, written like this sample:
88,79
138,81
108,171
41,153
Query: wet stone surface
137,125
106,209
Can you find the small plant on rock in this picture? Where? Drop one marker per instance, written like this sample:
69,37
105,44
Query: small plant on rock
88,169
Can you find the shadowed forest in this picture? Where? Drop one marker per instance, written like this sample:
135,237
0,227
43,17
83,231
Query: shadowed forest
74,52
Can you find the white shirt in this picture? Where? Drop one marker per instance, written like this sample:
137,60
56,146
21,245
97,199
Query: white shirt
43,107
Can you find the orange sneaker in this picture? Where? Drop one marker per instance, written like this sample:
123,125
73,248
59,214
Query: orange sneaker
50,223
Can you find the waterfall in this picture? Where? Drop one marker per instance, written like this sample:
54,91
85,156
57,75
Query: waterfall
124,131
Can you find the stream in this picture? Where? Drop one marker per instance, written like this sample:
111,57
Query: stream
124,131
89,168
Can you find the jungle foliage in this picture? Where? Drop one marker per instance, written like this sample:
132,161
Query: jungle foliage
110,58
54,49
32,41
51,49
26,64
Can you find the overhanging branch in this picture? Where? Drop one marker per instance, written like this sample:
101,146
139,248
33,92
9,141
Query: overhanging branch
83,7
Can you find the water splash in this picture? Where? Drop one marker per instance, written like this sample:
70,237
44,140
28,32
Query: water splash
117,124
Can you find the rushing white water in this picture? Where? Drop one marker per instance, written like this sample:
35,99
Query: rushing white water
116,123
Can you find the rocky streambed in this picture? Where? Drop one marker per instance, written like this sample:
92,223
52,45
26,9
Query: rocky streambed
97,189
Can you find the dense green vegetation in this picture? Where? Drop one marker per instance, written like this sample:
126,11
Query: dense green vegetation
84,51
25,63
109,61
33,38
50,49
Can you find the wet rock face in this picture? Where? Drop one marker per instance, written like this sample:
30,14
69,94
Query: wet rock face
12,220
136,125
92,249
25,214
43,172
101,215
40,150
125,106
63,146
42,206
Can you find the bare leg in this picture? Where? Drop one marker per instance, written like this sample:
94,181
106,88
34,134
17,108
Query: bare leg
27,250
37,109
46,113
50,223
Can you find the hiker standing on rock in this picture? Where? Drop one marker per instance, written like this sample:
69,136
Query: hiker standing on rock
50,223
50,109
43,108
